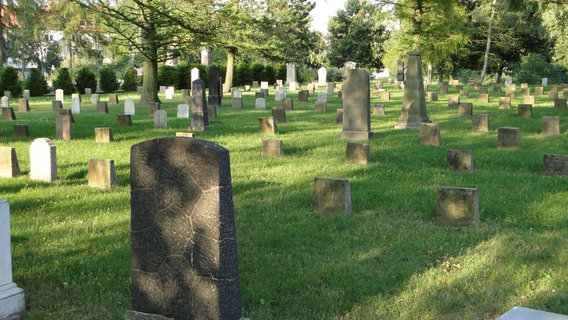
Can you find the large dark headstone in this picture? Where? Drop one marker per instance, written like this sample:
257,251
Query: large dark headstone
357,105
214,99
184,247
199,113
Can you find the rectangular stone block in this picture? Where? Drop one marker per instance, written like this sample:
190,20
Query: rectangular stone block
430,134
465,109
497,89
480,122
43,160
385,95
288,104
538,91
508,138
464,94
321,106
102,107
237,103
483,98
459,160
21,130
24,105
101,173
303,95
379,109
453,101
9,166
458,207
550,125
153,107
525,92
332,196
272,148
555,165
103,135
357,105
443,89
267,125
124,119
525,111
432,96
504,103
483,91
8,114
552,95
529,100
63,124
560,104
510,94
260,104
358,153
279,114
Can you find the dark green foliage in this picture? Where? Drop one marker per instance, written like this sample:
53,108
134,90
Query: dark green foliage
85,78
534,67
269,74
9,81
183,76
108,79
305,75
63,81
242,74
130,80
167,76
36,83
468,76
257,71
335,75
281,71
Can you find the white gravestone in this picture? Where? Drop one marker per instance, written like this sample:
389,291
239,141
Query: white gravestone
169,93
95,98
194,75
183,111
293,86
260,104
322,76
59,95
129,107
322,97
12,300
280,94
160,119
5,102
43,160
237,93
26,94
544,82
76,105
264,85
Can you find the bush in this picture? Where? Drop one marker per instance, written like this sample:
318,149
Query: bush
130,80
63,81
257,72
468,76
534,67
10,81
183,73
305,75
108,80
85,78
36,83
270,74
242,75
167,76
281,72
335,75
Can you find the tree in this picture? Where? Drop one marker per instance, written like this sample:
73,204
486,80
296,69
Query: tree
108,80
36,83
85,78
63,81
555,20
9,81
130,80
357,34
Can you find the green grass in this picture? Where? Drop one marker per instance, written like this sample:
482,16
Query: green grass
388,260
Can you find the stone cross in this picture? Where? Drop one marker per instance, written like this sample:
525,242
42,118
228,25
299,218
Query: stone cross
183,238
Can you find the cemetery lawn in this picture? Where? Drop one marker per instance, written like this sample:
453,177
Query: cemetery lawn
388,260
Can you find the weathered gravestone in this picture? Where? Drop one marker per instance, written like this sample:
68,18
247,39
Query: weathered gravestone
510,94
101,173
525,92
358,153
379,109
458,207
102,107
525,111
288,104
183,111
160,119
26,94
529,100
430,134
560,104
508,138
330,89
538,91
113,98
199,112
5,102
465,109
214,98
504,103
259,94
464,94
552,94
443,89
357,105
272,148
280,94
267,125
12,299
483,98
459,160
59,95
63,123
76,95
303,95
103,135
339,116
321,106
480,122
260,104
237,99
385,95
9,166
432,96
8,114
56,105
43,160
550,125
169,93
520,313
153,107
483,91
21,130
75,105
124,119
88,91
24,105
453,101
332,196
555,165
95,98
291,74
322,76
129,107
183,238
279,114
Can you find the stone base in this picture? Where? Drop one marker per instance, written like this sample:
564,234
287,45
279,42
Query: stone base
12,301
520,313
411,122
357,135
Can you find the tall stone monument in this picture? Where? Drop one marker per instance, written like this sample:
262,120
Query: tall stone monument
183,238
199,112
414,101
291,74
357,105
214,99
206,56
12,300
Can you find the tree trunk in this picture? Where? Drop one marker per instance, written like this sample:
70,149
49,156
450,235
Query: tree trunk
488,46
149,82
229,73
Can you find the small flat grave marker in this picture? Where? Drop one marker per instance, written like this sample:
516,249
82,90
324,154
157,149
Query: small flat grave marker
459,160
101,173
358,153
9,166
430,134
458,207
272,148
550,125
508,138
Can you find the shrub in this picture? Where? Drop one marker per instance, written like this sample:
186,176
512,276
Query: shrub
9,81
468,76
36,83
183,73
305,75
242,74
63,81
108,80
130,79
270,74
256,72
167,76
335,75
534,67
85,78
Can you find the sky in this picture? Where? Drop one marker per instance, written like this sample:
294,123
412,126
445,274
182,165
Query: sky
323,10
